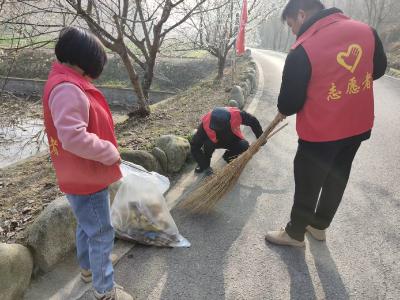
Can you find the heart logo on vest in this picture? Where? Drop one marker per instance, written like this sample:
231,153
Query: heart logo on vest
350,59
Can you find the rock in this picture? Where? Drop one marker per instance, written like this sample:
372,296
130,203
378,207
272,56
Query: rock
252,78
161,157
233,103
237,95
142,158
13,225
254,73
245,88
48,185
247,53
28,218
251,71
26,210
176,149
52,236
16,265
250,85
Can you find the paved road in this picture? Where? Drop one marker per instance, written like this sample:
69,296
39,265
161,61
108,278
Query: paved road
229,258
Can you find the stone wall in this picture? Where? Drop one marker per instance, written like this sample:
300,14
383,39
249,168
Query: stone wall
114,96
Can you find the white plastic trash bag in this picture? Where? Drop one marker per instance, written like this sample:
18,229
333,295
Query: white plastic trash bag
139,211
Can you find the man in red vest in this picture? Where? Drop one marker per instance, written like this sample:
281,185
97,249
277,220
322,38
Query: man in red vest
220,128
328,82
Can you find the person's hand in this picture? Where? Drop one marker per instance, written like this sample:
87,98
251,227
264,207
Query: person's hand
281,117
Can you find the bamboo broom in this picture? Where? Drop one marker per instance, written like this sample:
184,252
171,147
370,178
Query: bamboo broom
206,196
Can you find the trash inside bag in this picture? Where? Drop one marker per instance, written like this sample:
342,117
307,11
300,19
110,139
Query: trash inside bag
139,211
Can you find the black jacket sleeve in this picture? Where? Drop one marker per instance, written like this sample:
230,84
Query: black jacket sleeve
196,147
250,120
380,59
295,79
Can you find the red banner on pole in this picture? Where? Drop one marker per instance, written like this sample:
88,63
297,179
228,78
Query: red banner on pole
240,40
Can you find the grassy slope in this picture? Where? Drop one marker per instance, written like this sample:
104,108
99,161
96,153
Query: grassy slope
32,184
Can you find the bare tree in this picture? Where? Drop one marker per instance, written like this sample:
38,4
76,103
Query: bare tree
374,12
380,14
134,30
215,27
108,21
274,34
25,24
31,23
378,11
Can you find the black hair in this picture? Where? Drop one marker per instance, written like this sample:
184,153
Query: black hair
78,47
294,6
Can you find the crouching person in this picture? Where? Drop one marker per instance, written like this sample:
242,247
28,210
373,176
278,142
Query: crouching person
84,153
220,129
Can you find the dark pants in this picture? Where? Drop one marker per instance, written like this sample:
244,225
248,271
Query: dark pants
321,173
233,150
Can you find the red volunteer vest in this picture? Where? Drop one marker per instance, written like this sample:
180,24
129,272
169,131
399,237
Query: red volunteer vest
76,175
236,121
340,101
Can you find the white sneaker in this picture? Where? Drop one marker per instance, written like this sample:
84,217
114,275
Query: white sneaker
117,293
317,234
280,237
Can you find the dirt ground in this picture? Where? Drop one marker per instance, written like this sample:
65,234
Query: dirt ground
178,116
27,188
13,109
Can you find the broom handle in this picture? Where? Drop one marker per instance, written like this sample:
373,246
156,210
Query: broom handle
272,125
276,131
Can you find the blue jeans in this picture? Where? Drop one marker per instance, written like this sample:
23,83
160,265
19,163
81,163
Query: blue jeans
94,237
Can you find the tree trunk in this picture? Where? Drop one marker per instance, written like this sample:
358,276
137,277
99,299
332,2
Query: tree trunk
148,77
144,109
380,15
221,66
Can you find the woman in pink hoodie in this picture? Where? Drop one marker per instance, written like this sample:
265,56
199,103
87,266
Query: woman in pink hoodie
84,152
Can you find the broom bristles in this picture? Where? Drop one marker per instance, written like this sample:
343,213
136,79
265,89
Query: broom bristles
206,196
